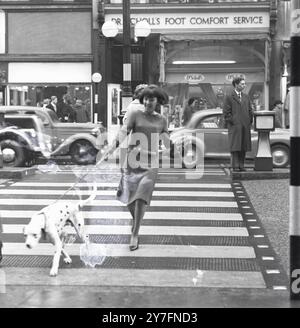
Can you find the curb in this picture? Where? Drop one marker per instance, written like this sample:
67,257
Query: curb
260,175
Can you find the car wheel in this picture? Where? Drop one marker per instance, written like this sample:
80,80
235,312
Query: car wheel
83,152
191,156
13,153
281,156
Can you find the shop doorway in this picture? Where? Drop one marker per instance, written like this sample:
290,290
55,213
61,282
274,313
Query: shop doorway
113,109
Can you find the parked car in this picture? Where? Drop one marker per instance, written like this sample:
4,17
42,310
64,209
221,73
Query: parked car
22,140
206,135
81,141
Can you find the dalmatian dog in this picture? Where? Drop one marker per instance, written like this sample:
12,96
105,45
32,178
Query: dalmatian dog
51,222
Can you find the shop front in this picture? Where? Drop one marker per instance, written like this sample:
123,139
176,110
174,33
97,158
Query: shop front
34,83
197,54
204,69
44,53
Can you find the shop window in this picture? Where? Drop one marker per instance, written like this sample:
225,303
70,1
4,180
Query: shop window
40,95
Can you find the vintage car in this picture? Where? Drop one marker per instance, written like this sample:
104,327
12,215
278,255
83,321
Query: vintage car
23,140
206,135
81,141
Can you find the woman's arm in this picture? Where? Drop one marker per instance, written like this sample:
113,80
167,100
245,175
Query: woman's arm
124,130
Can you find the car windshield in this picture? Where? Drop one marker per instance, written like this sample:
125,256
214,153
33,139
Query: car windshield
53,116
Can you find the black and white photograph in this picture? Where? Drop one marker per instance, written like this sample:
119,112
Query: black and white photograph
149,157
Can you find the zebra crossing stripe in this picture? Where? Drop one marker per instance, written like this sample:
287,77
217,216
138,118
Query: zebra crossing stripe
113,202
115,184
185,193
121,250
137,278
147,230
126,215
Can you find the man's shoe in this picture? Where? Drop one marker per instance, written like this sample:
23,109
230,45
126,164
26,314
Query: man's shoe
236,170
242,169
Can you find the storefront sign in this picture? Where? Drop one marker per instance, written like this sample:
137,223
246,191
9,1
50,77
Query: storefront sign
238,20
49,72
2,32
231,76
194,78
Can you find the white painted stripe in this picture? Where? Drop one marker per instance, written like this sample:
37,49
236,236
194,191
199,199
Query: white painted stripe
196,173
184,193
148,215
114,202
117,171
279,287
147,230
272,271
134,278
120,250
115,184
267,258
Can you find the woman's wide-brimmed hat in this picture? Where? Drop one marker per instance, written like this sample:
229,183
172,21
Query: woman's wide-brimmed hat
155,91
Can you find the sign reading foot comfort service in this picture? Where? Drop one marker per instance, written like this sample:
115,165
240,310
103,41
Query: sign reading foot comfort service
163,21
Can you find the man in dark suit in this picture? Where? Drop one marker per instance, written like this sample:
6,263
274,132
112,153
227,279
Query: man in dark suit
53,104
238,116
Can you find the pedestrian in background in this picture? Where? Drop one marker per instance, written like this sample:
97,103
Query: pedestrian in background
66,112
46,102
82,115
53,104
147,127
191,108
238,116
277,108
135,104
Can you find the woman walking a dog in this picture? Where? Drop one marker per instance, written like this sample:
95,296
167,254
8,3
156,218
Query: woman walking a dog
139,174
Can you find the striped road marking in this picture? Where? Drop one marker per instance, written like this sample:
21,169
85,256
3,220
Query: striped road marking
113,202
115,184
148,215
175,193
147,230
144,251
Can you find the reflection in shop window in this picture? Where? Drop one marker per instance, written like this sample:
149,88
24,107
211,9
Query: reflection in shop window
209,96
35,95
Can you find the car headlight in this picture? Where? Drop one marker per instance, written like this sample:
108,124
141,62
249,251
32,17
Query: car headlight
95,132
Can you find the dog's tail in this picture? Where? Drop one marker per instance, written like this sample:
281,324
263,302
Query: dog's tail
89,199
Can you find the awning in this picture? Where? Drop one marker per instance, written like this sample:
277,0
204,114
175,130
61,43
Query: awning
214,36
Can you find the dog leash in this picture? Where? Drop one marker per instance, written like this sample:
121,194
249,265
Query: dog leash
103,158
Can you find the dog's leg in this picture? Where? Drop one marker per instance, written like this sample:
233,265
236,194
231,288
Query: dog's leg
56,257
67,258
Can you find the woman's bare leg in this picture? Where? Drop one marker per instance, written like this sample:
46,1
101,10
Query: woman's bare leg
139,212
131,208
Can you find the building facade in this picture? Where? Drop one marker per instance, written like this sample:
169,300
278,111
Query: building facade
194,50
46,49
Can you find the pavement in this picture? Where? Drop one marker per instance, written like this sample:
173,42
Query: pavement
268,194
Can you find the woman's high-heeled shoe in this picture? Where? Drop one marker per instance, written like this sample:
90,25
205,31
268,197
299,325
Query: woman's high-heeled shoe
134,243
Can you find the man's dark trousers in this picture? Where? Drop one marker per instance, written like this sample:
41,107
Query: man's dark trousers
238,159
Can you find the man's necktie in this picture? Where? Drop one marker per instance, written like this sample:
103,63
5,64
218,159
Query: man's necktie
240,96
